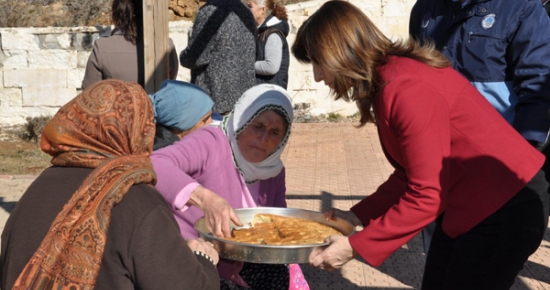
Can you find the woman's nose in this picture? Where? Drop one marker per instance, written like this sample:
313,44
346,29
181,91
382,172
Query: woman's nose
262,137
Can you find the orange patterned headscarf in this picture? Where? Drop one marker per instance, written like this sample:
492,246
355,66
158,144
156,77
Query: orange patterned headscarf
109,127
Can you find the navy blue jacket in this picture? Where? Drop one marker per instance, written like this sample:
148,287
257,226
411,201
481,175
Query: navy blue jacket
502,47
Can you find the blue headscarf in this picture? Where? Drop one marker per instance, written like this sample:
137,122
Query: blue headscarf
180,105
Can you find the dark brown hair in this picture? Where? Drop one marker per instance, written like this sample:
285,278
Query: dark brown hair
127,15
342,39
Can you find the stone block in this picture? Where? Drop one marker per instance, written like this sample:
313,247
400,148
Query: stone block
1,78
19,40
53,58
18,115
55,41
84,41
35,78
397,27
48,41
11,97
180,41
72,62
75,77
54,97
184,74
64,40
380,22
12,116
397,8
82,58
14,59
178,27
370,8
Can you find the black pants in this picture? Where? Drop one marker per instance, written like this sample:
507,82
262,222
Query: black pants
262,277
490,255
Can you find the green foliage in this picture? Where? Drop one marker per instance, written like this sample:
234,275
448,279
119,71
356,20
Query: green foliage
32,130
334,117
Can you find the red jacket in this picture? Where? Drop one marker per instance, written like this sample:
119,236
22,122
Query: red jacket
452,152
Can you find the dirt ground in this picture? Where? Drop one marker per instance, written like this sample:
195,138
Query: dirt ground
18,156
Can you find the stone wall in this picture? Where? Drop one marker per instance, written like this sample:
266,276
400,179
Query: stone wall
42,68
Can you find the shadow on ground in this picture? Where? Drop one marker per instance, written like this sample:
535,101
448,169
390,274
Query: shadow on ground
406,265
7,206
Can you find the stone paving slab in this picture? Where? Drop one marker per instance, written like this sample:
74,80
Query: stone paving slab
336,165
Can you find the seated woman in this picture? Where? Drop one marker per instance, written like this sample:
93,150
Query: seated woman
92,219
180,108
214,170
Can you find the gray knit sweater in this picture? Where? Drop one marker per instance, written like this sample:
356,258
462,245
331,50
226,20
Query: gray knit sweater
222,51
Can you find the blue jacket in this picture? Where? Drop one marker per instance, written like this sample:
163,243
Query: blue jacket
502,47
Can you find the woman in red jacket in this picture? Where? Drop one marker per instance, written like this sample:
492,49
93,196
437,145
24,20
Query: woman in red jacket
456,159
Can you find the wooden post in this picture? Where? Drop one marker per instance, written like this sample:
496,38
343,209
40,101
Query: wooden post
155,44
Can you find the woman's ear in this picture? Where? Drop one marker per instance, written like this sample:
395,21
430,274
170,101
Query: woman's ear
178,133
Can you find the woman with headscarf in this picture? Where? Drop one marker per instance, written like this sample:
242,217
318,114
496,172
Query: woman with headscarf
214,170
180,108
94,220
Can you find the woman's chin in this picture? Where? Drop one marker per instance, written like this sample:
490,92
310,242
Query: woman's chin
253,158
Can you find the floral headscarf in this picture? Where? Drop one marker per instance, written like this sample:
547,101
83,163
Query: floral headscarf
109,127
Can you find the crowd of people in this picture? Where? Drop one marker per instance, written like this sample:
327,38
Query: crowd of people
462,109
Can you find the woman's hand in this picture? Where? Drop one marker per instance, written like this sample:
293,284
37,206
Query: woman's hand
218,214
204,247
346,215
333,257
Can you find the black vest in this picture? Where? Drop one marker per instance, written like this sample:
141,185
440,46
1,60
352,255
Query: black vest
281,77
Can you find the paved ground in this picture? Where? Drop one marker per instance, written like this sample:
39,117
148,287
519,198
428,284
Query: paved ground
336,165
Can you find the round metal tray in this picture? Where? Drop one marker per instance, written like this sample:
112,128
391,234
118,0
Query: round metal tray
270,254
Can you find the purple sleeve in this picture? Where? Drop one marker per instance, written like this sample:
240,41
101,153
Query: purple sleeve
179,164
280,193
180,203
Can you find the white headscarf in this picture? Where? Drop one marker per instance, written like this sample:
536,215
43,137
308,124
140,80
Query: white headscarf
253,102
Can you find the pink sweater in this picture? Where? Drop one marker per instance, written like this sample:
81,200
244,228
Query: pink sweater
204,157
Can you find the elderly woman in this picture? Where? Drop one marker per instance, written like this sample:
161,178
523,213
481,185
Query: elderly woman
180,108
92,220
214,170
272,53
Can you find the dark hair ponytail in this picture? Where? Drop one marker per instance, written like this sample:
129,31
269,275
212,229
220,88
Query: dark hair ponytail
277,10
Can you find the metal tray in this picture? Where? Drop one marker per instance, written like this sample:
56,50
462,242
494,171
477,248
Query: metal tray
270,254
